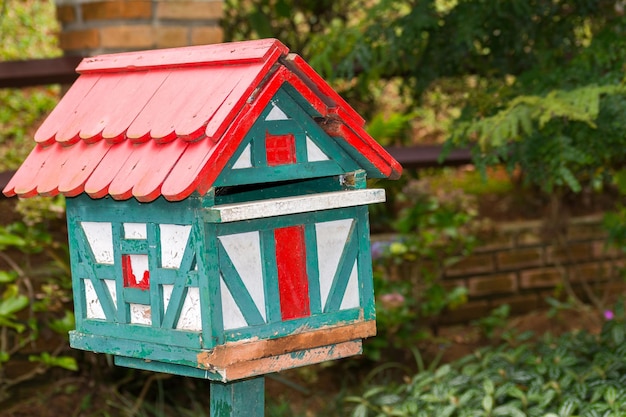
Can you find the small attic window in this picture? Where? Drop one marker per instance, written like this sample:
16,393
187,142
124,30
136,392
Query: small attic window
280,149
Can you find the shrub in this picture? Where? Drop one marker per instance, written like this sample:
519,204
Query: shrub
576,374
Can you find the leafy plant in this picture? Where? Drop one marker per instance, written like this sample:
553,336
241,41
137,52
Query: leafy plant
576,374
436,228
32,299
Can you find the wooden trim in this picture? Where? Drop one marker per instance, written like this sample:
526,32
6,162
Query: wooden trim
251,368
27,73
279,363
291,205
232,353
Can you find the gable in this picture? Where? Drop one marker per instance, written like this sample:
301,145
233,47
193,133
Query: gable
169,122
285,143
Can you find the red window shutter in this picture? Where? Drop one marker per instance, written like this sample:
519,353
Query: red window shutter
280,149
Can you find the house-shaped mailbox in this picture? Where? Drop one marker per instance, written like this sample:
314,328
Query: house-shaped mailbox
216,207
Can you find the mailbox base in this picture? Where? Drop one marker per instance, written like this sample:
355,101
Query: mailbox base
238,399
235,360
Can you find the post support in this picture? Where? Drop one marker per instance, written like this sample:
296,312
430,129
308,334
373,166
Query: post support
238,399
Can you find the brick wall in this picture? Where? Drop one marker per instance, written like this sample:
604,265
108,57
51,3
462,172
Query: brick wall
521,266
95,27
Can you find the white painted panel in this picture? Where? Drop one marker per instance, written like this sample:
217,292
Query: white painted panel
140,314
231,314
351,297
110,284
244,249
276,114
174,240
139,265
100,238
290,205
135,231
94,308
331,239
245,159
189,318
314,153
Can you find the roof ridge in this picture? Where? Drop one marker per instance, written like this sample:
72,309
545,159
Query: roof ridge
216,54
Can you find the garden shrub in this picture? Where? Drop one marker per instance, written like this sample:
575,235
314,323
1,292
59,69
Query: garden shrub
435,229
34,305
575,374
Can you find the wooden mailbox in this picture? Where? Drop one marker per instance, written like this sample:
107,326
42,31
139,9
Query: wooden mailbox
216,207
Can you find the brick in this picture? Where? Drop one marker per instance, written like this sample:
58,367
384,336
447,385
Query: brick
519,304
492,284
117,9
171,37
450,284
591,272
206,35
66,14
540,278
585,232
584,228
189,10
494,242
473,264
520,258
574,252
471,311
127,37
79,39
602,250
528,238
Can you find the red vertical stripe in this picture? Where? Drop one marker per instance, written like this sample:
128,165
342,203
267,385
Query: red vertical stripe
292,278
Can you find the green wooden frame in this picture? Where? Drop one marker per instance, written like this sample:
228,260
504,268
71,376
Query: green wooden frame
203,257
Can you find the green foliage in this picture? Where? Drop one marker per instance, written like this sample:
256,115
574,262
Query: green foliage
436,228
293,22
496,320
32,298
577,374
549,137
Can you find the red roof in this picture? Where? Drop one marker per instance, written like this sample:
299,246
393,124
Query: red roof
165,122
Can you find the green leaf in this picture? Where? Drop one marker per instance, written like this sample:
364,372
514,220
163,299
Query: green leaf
617,334
360,411
388,399
259,21
487,403
442,371
488,386
7,240
7,276
508,411
64,325
282,8
567,408
12,305
65,362
610,395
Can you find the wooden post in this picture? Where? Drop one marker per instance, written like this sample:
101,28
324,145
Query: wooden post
238,399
